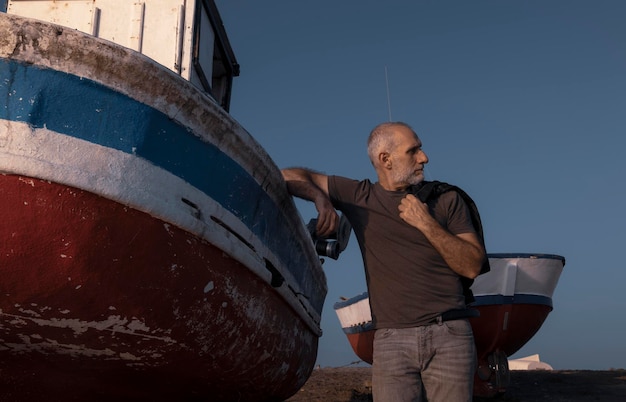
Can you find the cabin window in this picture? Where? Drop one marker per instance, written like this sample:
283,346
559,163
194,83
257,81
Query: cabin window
213,61
204,40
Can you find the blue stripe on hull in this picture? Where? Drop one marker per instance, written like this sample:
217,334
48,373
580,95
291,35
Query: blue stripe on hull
351,301
487,300
527,255
84,109
516,299
87,110
359,329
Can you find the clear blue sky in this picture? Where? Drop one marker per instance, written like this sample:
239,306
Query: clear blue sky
521,103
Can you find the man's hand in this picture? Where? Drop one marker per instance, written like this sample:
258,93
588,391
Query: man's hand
327,219
463,252
414,212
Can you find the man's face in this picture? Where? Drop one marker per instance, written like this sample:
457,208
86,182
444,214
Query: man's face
408,158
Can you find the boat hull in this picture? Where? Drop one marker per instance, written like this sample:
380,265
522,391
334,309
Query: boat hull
507,327
152,250
499,332
513,300
132,306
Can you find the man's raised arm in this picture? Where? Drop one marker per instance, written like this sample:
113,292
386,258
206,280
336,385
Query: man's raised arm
313,186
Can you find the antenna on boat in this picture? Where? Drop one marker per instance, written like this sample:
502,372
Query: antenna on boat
426,173
388,100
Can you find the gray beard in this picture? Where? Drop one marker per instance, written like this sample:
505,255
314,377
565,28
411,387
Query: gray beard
406,176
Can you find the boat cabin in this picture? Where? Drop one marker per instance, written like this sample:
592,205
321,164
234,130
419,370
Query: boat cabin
186,36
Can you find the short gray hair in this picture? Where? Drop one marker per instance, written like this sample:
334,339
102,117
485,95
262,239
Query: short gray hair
381,140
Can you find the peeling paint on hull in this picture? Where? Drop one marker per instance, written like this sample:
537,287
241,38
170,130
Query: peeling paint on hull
79,299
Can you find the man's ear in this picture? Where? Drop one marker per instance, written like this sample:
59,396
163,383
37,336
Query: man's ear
385,160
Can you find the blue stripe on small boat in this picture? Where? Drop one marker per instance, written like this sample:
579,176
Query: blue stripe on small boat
528,255
84,109
488,300
516,299
357,329
350,301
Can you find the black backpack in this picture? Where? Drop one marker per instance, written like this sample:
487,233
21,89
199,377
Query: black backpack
433,189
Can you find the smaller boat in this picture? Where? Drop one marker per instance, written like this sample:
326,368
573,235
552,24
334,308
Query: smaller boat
513,299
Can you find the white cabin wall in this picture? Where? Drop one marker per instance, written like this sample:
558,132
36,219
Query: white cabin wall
150,27
77,14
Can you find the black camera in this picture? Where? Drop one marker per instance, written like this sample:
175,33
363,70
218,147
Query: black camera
331,246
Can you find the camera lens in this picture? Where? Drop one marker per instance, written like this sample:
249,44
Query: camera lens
327,248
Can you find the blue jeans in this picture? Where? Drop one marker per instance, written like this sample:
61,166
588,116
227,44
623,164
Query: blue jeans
434,363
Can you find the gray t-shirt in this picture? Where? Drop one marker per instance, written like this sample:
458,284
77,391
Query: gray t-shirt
408,281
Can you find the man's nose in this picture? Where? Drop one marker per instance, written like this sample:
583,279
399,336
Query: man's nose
422,157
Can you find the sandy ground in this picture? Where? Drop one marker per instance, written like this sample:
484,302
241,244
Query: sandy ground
354,384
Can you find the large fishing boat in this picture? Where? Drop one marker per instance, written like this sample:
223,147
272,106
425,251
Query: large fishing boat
514,298
150,250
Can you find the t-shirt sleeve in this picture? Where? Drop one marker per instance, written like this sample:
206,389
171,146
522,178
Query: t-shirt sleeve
458,213
343,191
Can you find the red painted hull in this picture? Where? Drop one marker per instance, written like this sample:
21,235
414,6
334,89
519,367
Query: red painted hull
499,332
98,300
363,345
505,327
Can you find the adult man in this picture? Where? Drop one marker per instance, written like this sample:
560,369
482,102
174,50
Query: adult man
414,255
